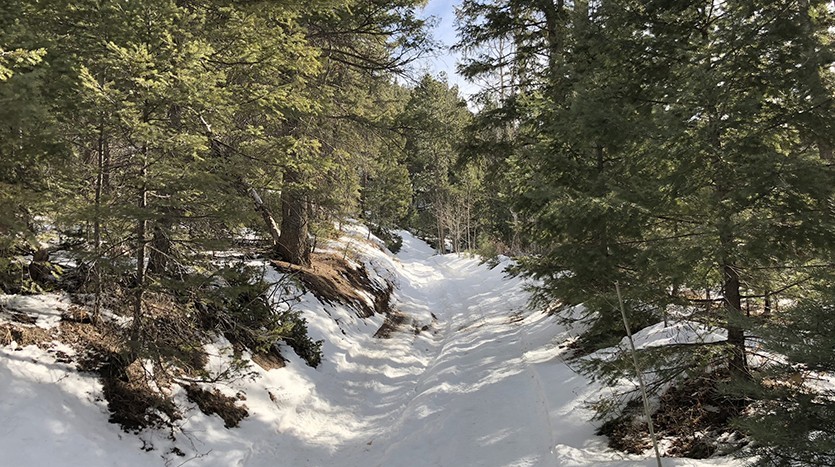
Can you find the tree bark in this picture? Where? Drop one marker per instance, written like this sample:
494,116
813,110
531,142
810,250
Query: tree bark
731,296
141,245
266,214
159,257
733,309
97,234
292,245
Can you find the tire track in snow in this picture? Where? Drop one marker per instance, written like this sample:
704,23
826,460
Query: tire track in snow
440,346
475,321
542,397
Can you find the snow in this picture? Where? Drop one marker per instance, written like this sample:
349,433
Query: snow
484,384
51,414
47,308
680,332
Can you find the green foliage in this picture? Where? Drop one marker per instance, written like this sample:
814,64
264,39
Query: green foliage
149,129
254,313
305,347
435,117
674,148
387,194
658,173
792,418
489,250
11,59
393,241
14,277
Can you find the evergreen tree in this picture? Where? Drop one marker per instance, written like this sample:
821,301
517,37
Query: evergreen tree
670,148
435,117
362,44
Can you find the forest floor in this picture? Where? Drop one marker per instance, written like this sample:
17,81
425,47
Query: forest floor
464,375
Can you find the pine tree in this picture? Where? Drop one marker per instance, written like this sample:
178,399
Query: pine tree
29,146
435,118
672,148
361,44
567,126
792,416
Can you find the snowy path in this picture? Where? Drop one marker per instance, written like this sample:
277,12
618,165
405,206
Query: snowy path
483,385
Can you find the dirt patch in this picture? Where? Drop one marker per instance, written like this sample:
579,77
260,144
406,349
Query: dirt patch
269,360
25,335
77,315
392,323
176,338
133,403
214,402
24,318
694,414
133,394
333,280
92,343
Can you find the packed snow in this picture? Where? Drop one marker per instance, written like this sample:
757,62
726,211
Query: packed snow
474,379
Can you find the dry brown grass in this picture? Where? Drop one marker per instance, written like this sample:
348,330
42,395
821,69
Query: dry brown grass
25,335
214,402
333,280
694,414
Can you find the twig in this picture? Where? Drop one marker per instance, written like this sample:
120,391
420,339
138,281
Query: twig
640,376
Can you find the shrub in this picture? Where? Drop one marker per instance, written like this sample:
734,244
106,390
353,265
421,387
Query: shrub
243,310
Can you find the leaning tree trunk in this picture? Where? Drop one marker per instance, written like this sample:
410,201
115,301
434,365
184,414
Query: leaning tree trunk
292,244
266,213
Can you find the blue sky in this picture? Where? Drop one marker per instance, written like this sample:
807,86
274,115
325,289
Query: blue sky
444,33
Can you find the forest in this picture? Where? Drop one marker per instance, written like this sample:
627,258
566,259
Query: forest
656,160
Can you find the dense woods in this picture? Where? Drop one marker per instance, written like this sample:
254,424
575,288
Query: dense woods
682,150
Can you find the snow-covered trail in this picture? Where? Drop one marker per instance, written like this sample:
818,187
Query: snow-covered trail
480,400
474,379
484,385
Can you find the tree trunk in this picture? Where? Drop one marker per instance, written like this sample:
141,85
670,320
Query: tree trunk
141,245
266,214
97,234
731,295
733,309
469,236
159,258
441,233
292,243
